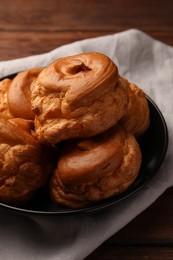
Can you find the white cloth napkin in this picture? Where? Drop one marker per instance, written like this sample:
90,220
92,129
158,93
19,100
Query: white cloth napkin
149,64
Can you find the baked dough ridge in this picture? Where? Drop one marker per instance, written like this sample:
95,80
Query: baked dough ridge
97,181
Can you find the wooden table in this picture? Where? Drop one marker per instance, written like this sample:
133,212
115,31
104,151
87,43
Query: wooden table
34,27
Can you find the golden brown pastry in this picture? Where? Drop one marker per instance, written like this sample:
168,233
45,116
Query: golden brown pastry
137,118
93,169
24,163
77,96
80,96
4,109
19,97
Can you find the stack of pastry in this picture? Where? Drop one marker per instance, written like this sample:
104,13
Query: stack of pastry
83,106
25,164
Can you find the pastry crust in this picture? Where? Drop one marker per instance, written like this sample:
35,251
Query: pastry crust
4,87
137,117
93,169
19,93
24,163
84,106
77,96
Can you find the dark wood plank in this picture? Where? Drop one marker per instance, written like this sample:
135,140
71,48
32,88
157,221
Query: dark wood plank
149,232
152,227
35,27
90,15
20,44
132,253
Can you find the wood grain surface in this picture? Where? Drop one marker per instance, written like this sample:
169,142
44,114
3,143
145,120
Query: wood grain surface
34,27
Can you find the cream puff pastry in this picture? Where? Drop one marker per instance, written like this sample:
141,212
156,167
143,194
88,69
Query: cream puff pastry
19,97
93,169
77,96
4,108
137,117
25,165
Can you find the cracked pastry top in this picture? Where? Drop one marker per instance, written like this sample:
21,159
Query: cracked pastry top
4,108
137,117
77,96
92,169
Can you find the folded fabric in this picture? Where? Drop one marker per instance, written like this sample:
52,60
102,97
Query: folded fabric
142,60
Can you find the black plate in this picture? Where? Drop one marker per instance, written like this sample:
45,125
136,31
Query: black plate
153,146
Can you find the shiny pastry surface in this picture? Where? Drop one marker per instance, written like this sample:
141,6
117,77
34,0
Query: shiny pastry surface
93,169
80,112
19,93
77,96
